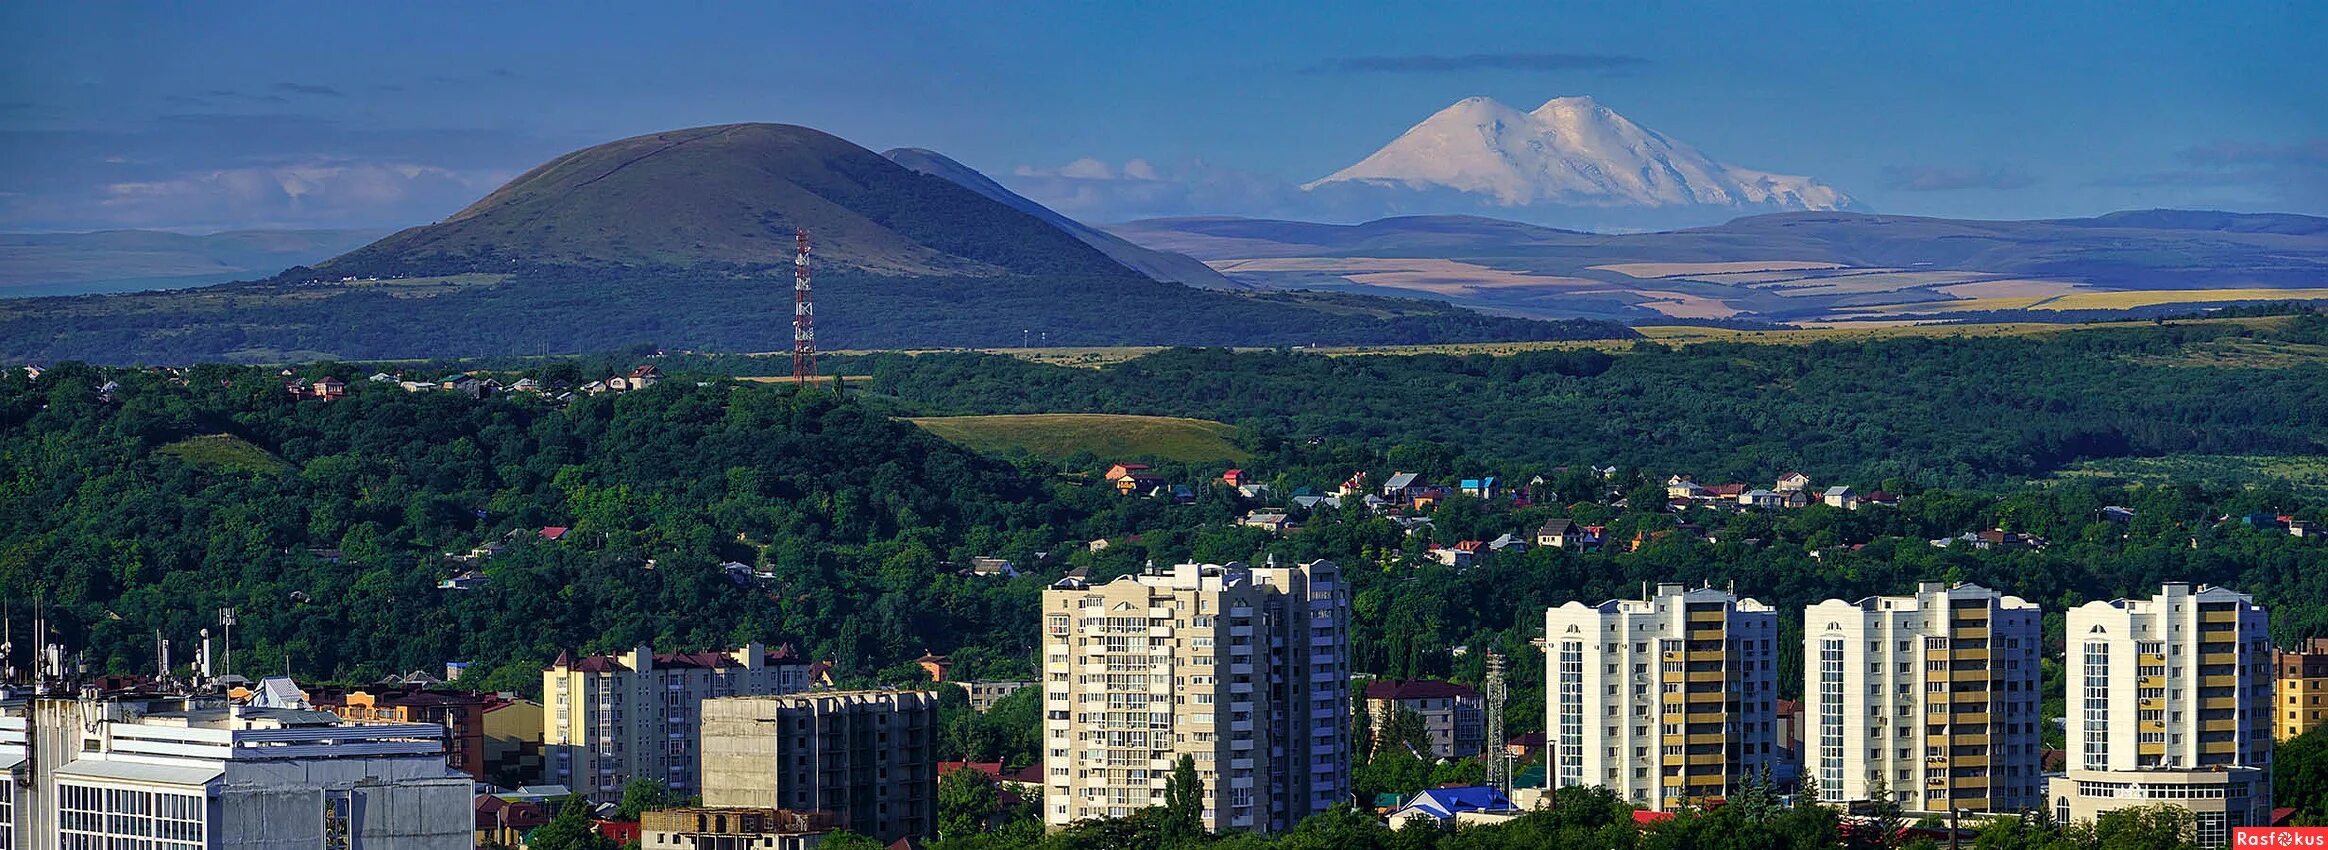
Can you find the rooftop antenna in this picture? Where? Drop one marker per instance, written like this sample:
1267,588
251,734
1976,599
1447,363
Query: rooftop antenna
803,314
226,653
7,646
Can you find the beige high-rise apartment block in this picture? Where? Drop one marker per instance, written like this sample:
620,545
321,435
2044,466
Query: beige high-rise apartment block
1244,669
2170,702
1668,700
1932,696
2301,702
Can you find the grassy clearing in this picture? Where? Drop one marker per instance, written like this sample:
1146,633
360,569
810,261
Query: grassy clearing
226,453
1058,435
2304,474
2234,353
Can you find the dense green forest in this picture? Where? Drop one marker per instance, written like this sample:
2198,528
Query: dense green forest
1927,411
328,523
119,526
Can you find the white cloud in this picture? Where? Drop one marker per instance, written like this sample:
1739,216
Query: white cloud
307,191
1093,190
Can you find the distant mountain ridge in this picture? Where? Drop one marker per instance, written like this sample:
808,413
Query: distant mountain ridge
733,194
1798,266
1571,152
685,239
122,260
1161,265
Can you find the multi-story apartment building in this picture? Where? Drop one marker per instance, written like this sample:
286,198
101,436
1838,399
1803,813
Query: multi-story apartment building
2169,701
2301,683
867,757
1932,696
1668,699
193,773
609,718
983,695
1243,669
1450,713
491,737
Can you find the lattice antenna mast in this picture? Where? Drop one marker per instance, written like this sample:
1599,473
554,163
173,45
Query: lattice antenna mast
803,315
1499,756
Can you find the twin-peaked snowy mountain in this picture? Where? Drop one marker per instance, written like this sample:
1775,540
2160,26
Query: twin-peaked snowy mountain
1570,152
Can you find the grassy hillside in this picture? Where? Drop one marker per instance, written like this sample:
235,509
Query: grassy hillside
225,453
1061,435
2307,475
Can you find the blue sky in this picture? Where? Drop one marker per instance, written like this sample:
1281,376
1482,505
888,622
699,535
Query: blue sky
206,116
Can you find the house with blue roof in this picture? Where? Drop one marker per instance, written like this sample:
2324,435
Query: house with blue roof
1481,488
1444,805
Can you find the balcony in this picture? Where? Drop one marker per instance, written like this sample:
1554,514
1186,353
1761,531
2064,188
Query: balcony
1971,633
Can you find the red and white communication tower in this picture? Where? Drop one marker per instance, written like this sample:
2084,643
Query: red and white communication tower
803,315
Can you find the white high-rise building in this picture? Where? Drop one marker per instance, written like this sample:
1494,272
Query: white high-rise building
1933,696
1244,669
2170,701
1667,700
191,773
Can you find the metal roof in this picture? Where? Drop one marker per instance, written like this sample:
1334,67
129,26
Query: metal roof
124,771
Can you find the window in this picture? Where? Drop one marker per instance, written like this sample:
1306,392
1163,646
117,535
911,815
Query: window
2095,706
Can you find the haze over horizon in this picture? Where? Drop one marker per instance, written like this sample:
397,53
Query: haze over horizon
283,115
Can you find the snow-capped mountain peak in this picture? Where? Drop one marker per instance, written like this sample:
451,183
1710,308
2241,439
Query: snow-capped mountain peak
1572,151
